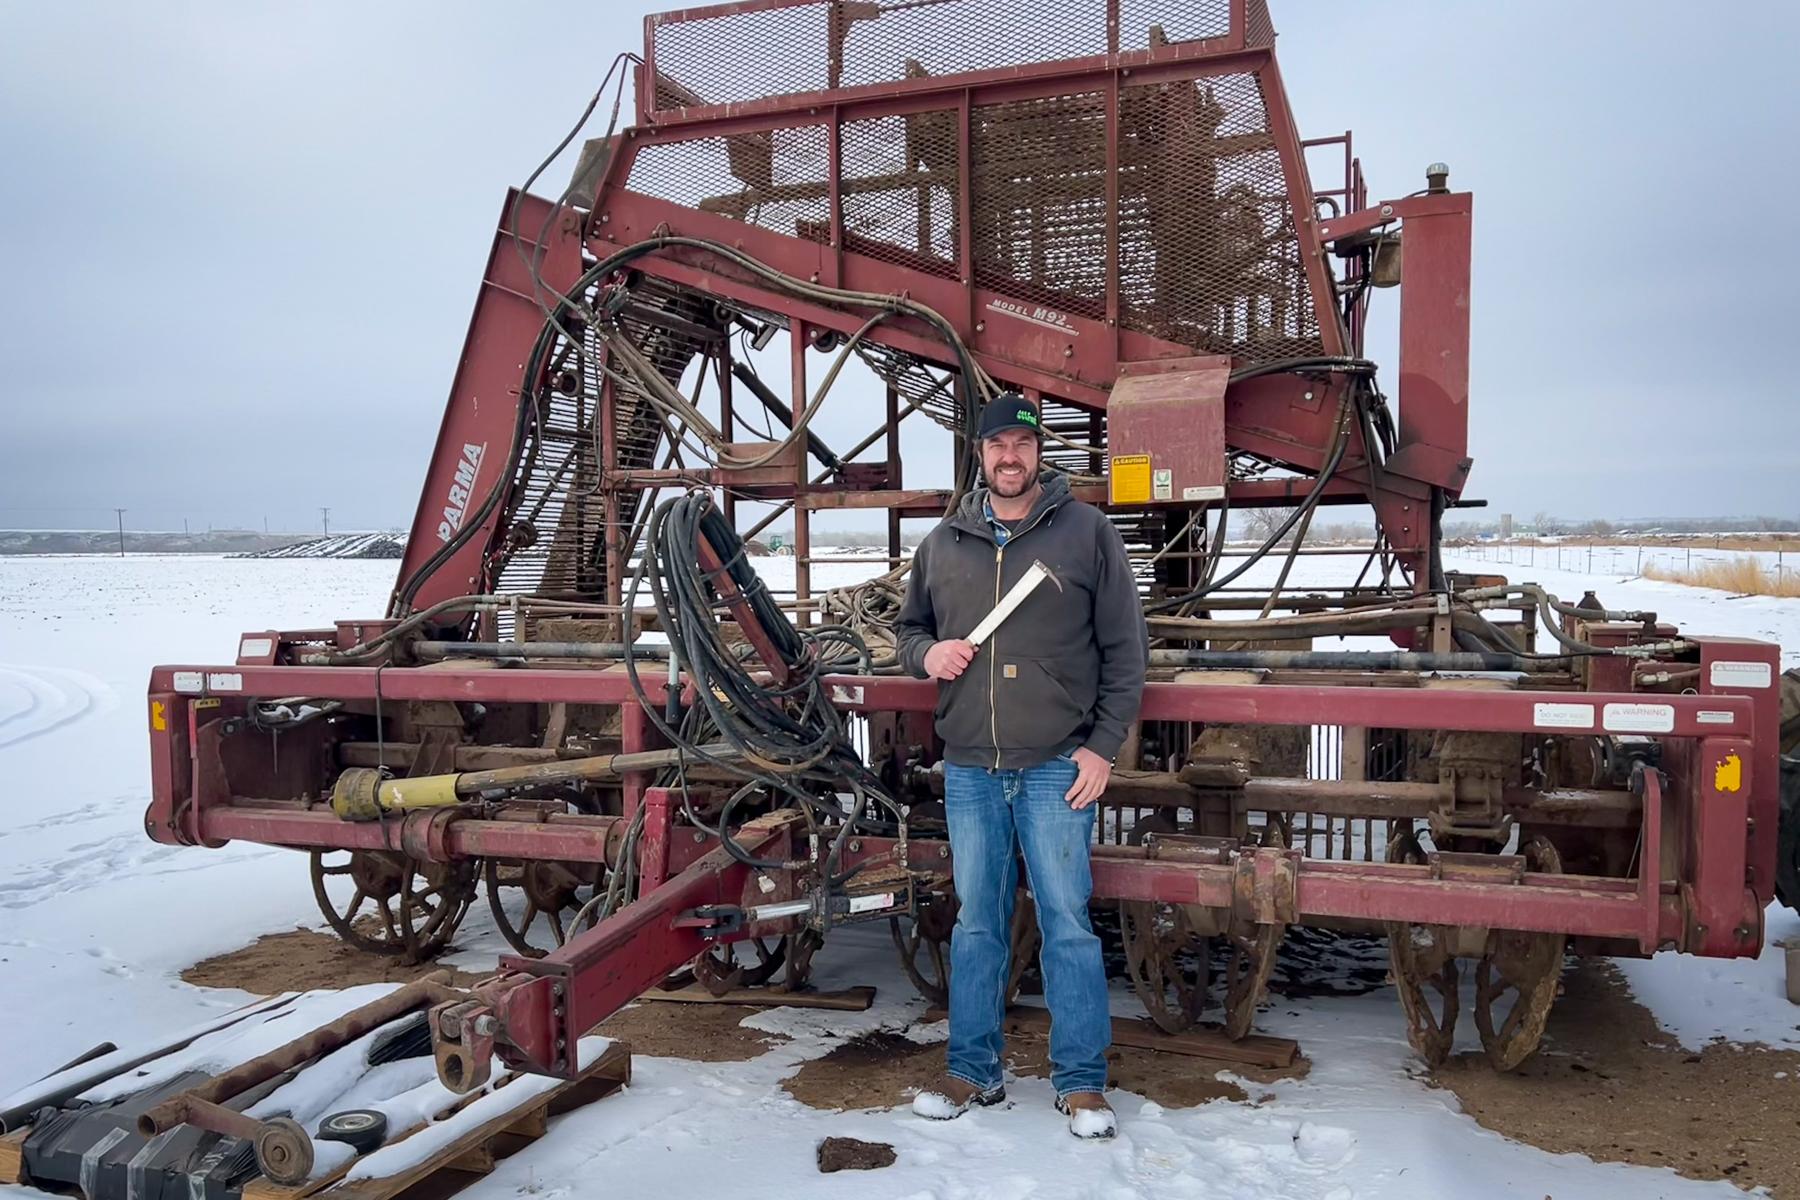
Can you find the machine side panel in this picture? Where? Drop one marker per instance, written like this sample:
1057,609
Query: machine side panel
469,467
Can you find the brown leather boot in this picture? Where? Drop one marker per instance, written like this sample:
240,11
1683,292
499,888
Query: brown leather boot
953,1097
1090,1116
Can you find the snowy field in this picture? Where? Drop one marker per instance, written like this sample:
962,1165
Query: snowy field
99,922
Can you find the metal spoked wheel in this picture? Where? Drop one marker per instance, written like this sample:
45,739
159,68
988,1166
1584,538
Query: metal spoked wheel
1167,960
1247,975
1528,966
1424,971
398,906
534,902
924,943
749,963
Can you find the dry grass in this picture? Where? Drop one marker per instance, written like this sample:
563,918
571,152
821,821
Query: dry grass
1744,576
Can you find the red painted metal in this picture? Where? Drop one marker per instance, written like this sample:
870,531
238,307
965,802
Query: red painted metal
469,463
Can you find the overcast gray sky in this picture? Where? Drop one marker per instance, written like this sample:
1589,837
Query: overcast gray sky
241,241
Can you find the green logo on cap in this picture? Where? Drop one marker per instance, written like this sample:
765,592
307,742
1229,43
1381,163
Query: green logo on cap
1027,416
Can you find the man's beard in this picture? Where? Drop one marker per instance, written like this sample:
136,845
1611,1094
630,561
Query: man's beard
1008,491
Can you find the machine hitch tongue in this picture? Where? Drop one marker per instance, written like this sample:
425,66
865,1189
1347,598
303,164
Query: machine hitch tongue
462,1041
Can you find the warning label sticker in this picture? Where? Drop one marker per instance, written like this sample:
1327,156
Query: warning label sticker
1563,716
1742,674
1639,718
1129,479
1162,484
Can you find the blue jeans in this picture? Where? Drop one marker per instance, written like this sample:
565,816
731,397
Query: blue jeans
987,810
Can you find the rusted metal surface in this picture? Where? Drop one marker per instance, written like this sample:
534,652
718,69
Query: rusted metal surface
433,989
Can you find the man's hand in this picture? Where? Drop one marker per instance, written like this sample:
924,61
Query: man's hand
949,658
1092,772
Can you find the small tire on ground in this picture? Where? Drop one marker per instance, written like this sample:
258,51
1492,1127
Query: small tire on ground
362,1129
1787,841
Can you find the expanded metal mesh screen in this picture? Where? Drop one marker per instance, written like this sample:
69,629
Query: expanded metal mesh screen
902,182
1208,253
776,178
729,58
1039,182
1259,30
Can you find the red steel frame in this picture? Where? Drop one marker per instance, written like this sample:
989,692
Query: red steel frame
1706,822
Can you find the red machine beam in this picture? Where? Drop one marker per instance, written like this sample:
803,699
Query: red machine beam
544,1005
1688,716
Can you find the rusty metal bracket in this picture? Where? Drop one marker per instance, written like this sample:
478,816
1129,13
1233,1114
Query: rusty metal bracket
1476,868
1185,847
1266,888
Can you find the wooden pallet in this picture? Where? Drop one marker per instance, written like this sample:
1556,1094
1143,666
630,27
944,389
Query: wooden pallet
1256,1050
12,1156
469,1157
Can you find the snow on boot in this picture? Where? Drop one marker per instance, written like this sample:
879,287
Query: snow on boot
1090,1116
953,1097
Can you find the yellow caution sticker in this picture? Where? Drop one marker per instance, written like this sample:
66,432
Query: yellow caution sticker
159,716
1728,776
1129,479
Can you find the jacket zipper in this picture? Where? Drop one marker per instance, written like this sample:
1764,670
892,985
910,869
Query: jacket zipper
994,642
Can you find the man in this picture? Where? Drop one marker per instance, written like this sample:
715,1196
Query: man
1031,721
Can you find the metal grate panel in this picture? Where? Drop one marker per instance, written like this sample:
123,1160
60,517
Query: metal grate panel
708,59
775,178
1208,253
901,183
1039,203
1259,30
1145,23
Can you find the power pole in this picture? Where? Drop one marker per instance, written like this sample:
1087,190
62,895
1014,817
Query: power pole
325,516
121,515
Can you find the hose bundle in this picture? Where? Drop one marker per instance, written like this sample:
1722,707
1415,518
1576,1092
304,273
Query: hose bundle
793,741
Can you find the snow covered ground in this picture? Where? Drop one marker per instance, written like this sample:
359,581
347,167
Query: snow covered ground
99,921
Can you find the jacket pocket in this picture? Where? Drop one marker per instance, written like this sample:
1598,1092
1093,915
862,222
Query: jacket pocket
963,717
1034,707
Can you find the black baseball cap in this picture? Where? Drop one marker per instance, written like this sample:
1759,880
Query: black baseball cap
1008,410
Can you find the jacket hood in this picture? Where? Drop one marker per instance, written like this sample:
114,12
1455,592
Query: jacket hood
971,511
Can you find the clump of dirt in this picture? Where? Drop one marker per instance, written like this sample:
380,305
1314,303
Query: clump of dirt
1609,1083
303,960
881,1069
852,1154
696,1032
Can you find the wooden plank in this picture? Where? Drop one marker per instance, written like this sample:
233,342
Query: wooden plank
12,1156
473,1154
1256,1050
854,999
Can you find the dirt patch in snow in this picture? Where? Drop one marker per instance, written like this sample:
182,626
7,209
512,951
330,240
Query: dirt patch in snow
1610,1084
883,1069
302,960
696,1032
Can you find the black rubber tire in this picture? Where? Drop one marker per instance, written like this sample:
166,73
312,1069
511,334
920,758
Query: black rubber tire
362,1129
1787,840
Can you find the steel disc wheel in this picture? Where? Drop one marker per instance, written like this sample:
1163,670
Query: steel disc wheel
398,906
534,902
1424,972
1526,966
924,944
748,963
1167,962
1247,975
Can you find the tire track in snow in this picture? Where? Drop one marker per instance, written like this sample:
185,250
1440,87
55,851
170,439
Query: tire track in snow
36,700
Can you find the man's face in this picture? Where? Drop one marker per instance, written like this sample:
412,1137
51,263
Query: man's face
1009,459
